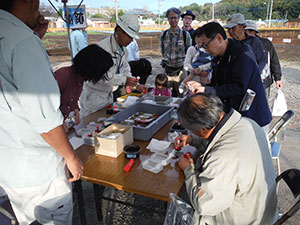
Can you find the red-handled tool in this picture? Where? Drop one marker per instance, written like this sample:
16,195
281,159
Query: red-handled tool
188,155
129,165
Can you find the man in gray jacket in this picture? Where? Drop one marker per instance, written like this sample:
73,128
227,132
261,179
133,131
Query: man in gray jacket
233,181
96,96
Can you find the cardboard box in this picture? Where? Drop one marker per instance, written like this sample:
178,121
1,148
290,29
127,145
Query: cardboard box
113,147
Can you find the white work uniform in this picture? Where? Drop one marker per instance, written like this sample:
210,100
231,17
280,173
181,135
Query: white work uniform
96,96
29,106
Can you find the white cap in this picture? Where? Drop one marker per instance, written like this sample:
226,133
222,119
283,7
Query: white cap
234,20
251,25
130,24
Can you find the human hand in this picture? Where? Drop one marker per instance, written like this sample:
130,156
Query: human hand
278,84
185,162
77,116
131,81
42,26
196,86
66,128
142,88
182,140
196,71
75,167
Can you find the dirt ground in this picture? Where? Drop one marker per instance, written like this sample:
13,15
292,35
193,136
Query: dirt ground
289,55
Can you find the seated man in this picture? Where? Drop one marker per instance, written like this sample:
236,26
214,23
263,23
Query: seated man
70,79
233,181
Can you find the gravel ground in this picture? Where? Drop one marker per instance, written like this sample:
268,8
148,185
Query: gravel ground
115,213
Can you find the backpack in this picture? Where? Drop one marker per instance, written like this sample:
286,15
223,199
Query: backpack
184,39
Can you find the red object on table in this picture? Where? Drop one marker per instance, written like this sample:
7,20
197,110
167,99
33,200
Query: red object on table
129,165
178,148
187,155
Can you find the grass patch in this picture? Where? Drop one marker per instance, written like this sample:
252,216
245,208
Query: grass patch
66,33
56,34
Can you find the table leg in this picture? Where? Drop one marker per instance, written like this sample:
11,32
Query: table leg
98,192
78,189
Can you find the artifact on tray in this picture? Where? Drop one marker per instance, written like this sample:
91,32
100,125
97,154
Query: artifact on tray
140,119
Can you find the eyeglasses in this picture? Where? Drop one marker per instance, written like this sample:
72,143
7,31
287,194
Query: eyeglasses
187,18
205,46
173,18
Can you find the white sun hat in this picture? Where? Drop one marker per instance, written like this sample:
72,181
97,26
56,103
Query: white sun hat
130,24
251,25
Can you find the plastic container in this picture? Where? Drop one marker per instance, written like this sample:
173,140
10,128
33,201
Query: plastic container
163,100
83,131
145,133
88,139
154,163
94,126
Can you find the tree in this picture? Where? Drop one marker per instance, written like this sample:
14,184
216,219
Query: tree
113,18
97,15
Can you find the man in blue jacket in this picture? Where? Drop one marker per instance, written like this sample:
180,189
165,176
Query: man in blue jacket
234,72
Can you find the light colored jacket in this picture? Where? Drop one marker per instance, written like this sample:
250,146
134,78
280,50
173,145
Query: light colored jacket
79,41
236,176
133,51
96,96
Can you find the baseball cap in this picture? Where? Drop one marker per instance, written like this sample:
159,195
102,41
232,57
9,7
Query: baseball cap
130,24
235,19
251,25
188,12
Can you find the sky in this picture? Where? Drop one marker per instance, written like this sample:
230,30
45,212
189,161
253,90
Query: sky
151,5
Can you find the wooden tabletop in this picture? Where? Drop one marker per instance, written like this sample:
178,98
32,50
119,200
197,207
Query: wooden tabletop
108,171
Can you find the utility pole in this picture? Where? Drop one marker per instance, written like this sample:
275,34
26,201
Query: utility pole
270,12
213,11
159,5
159,12
116,7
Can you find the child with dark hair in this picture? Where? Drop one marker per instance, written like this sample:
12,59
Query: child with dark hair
161,86
70,79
